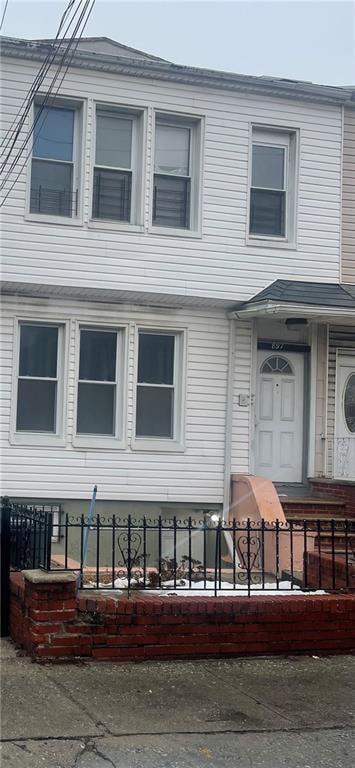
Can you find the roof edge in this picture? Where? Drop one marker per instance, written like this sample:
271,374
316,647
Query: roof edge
164,70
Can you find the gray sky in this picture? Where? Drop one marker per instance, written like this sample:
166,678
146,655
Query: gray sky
303,39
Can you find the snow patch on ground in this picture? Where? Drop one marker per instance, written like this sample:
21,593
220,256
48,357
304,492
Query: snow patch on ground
200,589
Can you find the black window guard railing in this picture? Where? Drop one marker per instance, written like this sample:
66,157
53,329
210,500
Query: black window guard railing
54,202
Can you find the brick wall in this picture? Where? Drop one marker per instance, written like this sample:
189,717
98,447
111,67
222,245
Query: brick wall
336,490
51,622
330,573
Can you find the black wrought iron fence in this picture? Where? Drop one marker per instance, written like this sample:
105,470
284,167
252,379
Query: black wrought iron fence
30,531
201,553
206,553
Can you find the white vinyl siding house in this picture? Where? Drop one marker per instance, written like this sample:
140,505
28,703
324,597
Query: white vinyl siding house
150,210
216,257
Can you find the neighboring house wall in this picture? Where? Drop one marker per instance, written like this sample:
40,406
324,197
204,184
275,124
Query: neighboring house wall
339,338
242,410
221,263
348,218
195,474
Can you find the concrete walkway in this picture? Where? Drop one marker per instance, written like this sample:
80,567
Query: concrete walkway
247,713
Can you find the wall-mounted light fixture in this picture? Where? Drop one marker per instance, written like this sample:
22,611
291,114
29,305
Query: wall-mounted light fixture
296,323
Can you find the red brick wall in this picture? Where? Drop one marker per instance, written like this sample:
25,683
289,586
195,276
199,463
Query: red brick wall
336,490
323,573
50,622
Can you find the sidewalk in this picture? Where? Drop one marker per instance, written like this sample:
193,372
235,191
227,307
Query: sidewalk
247,713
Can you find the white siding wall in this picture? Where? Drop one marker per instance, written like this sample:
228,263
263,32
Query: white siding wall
348,219
196,475
240,448
220,264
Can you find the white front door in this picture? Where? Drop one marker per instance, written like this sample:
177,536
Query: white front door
344,443
279,416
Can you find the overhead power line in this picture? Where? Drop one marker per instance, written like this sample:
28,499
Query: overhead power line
34,90
3,14
21,115
62,68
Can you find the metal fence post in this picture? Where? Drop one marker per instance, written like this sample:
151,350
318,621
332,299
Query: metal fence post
5,564
48,541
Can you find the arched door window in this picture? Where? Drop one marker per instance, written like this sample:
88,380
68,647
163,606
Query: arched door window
349,403
277,364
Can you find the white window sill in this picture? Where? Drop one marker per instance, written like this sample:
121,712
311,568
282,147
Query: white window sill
170,231
271,242
42,218
157,445
114,226
91,442
37,439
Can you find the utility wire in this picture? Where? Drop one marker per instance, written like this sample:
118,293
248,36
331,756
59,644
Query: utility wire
44,101
3,14
19,119
49,92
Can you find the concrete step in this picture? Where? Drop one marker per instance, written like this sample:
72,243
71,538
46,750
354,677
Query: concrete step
310,507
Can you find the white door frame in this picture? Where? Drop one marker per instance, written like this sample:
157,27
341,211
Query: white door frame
342,353
283,346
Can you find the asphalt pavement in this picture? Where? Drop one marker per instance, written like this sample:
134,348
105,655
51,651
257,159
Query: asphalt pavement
294,712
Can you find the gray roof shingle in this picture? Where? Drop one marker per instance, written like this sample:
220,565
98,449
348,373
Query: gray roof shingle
300,292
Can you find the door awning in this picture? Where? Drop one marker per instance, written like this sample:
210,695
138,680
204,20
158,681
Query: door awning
325,302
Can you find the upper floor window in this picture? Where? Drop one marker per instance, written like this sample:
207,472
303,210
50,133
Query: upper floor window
117,166
273,184
54,177
176,174
38,379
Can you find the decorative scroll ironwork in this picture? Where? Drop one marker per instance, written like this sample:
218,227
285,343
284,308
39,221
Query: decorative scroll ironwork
249,551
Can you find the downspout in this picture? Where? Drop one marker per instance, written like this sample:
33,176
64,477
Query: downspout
229,418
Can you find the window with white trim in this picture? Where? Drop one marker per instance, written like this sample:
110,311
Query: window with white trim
158,385
116,192
176,173
272,186
54,169
38,398
98,400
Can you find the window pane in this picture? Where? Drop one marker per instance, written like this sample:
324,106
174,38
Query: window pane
171,204
156,358
52,188
154,412
172,149
96,409
36,405
267,212
268,167
98,355
113,141
349,403
53,133
38,351
112,195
